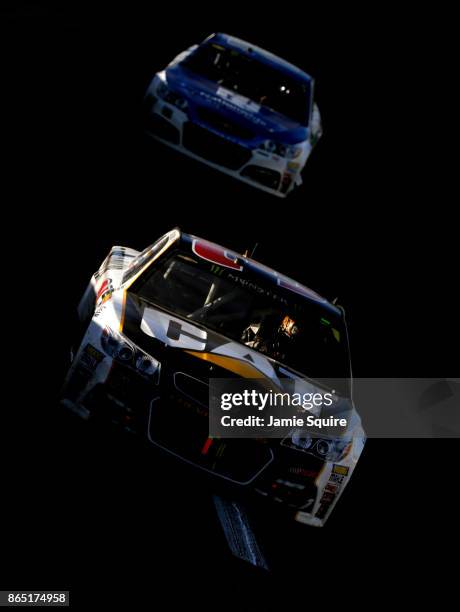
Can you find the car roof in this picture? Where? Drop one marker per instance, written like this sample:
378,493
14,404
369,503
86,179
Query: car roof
262,55
189,241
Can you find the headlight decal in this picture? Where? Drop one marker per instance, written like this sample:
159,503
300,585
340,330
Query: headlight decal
121,350
285,151
169,96
333,449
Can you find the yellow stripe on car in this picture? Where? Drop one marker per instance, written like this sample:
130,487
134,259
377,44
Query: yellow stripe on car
245,370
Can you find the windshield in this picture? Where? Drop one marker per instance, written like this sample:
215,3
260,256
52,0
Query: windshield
253,79
298,333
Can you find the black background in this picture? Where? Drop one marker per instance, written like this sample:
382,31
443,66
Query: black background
373,224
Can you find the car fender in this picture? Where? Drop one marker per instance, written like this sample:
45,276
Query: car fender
105,281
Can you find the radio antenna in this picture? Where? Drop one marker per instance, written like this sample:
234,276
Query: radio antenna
251,254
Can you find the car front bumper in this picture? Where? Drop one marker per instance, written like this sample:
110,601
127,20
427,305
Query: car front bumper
261,169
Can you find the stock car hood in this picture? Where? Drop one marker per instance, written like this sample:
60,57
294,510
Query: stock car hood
204,95
184,346
155,330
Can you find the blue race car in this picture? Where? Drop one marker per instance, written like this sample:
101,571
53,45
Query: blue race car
239,109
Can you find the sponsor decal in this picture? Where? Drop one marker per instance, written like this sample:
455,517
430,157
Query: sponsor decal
202,343
256,288
332,489
91,357
216,254
105,292
236,104
327,498
238,100
340,469
324,504
172,331
228,259
337,478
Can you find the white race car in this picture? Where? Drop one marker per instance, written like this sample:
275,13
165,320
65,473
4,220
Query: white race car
158,326
239,109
